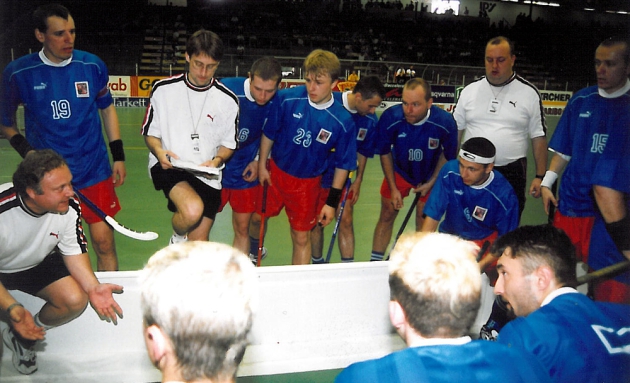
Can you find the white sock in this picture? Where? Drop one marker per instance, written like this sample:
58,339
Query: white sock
40,324
176,238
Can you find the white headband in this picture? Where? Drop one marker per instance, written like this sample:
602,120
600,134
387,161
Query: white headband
475,157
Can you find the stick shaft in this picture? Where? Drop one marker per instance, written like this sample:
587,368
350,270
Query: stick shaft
341,208
261,233
606,272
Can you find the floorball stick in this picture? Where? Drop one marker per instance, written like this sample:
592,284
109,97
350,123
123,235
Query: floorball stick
142,236
334,234
606,272
404,224
261,235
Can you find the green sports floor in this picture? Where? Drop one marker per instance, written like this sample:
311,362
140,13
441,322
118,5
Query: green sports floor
144,208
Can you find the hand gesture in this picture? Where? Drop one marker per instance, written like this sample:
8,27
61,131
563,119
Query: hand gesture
102,301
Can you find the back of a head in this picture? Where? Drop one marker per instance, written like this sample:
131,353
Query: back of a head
43,12
206,43
370,86
540,245
436,280
267,68
203,296
34,167
320,62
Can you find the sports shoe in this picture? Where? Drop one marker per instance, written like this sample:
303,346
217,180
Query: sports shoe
488,333
252,257
24,358
177,239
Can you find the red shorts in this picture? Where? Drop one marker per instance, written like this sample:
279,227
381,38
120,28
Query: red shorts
611,291
298,195
241,200
403,186
323,196
102,195
490,269
579,231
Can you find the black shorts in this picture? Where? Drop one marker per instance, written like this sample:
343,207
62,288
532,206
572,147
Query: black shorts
33,280
165,180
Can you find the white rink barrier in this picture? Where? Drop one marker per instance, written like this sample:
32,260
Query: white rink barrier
313,317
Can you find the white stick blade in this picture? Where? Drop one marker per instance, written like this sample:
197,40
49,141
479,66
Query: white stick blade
141,236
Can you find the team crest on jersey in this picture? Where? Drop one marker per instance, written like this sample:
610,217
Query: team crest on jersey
362,134
434,143
323,136
82,88
480,213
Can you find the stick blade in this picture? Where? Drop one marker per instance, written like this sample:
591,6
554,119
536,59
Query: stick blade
141,236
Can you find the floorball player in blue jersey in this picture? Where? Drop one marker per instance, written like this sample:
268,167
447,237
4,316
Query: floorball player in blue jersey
307,131
414,140
361,102
576,339
240,176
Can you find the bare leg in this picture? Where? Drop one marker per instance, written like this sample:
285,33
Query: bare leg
384,227
240,223
346,233
104,245
65,300
301,247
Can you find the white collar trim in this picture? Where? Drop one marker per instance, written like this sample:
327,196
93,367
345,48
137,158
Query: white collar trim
47,61
248,93
557,293
616,93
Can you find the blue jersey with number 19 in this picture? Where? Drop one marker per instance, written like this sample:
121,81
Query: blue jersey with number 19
252,121
416,148
307,137
61,103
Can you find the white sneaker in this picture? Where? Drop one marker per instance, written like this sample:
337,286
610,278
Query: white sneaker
176,238
252,257
24,358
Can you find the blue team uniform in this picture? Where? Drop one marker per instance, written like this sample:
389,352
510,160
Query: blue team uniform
472,212
366,138
305,135
612,171
61,110
582,133
576,339
416,148
472,362
252,121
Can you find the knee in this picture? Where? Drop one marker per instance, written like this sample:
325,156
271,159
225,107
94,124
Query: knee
75,301
192,212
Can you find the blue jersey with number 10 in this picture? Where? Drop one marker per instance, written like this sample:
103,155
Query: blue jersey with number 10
308,137
416,149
